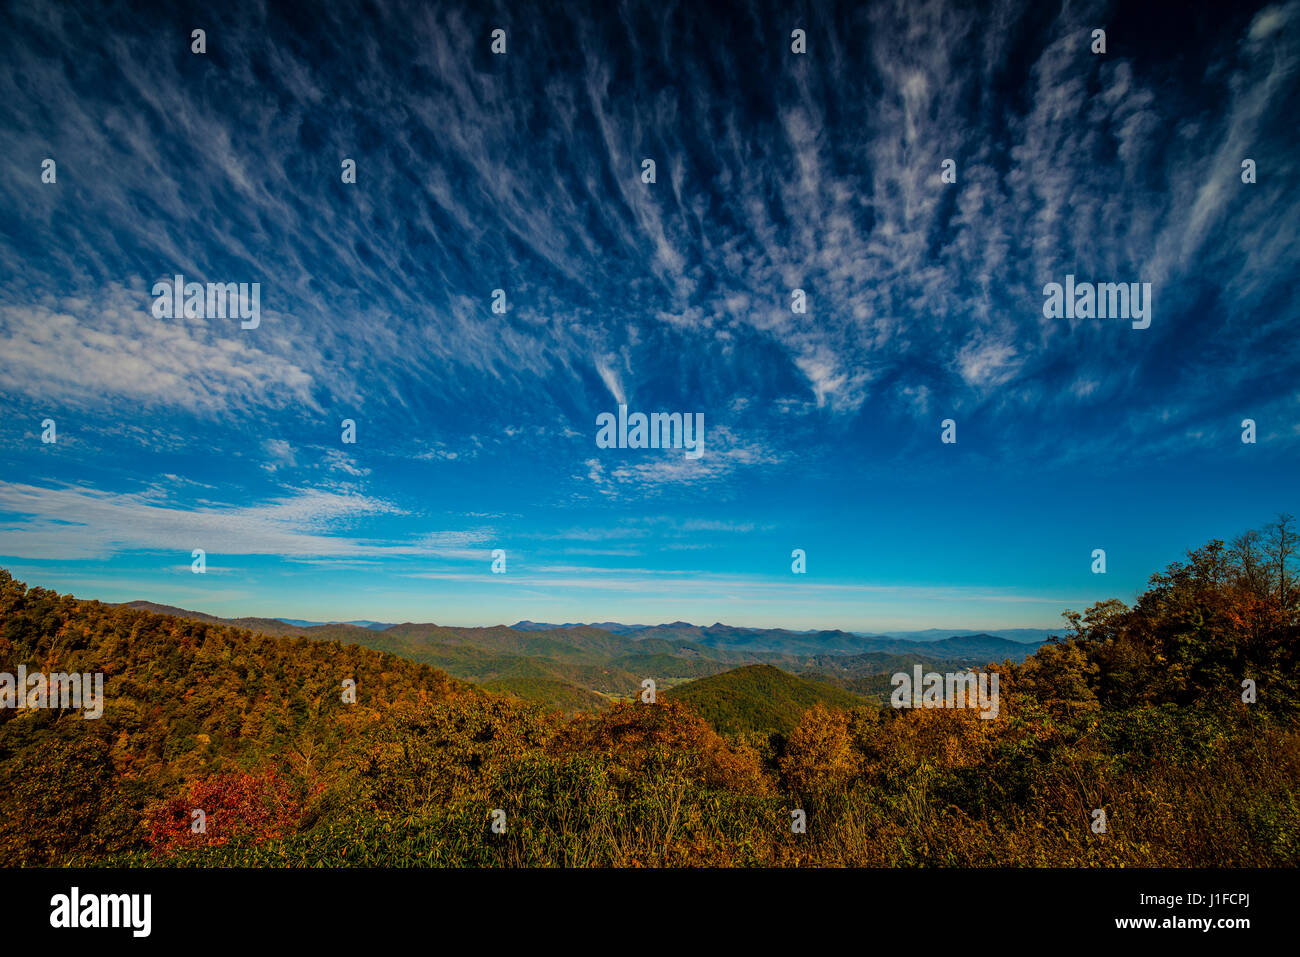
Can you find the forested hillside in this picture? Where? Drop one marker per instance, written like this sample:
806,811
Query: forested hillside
758,698
184,699
577,667
1177,718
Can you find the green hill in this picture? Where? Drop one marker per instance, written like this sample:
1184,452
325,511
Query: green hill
758,698
551,692
569,669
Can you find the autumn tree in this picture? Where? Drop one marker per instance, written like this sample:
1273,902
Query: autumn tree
819,754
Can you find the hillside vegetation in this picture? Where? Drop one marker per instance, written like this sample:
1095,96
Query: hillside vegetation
576,667
1145,713
758,698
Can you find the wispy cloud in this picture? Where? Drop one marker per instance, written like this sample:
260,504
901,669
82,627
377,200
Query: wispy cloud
73,523
523,173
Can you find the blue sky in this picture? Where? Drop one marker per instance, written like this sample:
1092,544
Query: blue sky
522,172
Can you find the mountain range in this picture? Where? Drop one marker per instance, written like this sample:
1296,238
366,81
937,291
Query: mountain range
376,625
1029,635
576,667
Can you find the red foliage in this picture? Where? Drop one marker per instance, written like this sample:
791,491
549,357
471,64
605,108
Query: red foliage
235,805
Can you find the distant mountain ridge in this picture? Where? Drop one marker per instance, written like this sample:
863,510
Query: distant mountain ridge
362,623
1015,642
1029,636
576,667
613,627
1024,635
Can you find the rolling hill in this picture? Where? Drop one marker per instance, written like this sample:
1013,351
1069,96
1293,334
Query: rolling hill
758,698
318,752
576,667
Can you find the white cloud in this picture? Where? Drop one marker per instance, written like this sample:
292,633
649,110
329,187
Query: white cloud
80,352
72,522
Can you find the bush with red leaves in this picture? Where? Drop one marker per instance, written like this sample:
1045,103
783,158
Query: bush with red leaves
236,805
